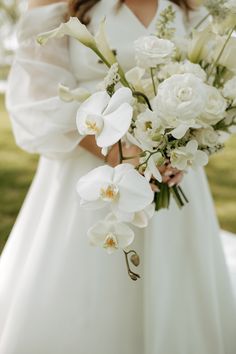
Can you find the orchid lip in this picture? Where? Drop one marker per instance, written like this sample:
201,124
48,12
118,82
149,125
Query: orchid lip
109,193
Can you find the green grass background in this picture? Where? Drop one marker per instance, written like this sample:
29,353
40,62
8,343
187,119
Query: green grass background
17,169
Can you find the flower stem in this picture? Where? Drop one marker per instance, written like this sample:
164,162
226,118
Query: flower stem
120,151
140,94
132,275
153,81
202,21
221,51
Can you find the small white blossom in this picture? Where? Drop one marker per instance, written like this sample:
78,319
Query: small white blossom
149,129
151,51
111,235
112,77
188,156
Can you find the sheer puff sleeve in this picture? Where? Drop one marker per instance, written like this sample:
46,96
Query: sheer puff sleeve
42,122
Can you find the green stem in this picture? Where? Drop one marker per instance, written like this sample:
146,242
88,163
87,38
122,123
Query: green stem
120,151
202,21
153,81
221,52
140,94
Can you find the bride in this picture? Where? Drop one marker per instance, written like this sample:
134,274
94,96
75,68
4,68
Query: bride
59,295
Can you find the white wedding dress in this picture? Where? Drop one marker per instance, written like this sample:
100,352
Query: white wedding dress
59,295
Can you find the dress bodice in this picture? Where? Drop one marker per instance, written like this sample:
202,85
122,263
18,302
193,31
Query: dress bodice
122,28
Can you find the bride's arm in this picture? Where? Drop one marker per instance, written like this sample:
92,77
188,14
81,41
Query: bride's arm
42,123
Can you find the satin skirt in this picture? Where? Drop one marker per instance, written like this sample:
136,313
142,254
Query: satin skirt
59,295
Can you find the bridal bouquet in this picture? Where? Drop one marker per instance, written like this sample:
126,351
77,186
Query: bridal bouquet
177,105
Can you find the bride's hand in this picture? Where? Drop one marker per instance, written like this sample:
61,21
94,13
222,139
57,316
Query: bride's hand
170,175
113,158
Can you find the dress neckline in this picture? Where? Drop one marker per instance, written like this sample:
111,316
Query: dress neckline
128,9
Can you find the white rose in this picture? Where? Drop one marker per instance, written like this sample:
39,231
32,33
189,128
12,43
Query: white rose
229,90
207,136
151,51
215,106
180,100
191,68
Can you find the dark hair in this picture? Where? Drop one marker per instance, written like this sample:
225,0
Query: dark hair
80,8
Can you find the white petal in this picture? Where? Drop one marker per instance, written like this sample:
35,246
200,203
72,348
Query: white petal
102,44
153,168
122,95
135,192
125,235
66,94
120,170
201,159
179,131
73,28
116,124
95,104
192,146
89,186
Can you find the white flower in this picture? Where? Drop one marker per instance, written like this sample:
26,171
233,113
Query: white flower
150,169
111,235
199,44
229,90
134,77
191,68
180,100
149,129
215,106
122,188
188,156
151,51
66,94
74,28
139,219
230,5
112,77
106,118
207,136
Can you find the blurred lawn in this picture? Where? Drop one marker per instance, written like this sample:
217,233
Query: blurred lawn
17,170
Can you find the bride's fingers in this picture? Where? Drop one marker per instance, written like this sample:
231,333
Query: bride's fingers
176,179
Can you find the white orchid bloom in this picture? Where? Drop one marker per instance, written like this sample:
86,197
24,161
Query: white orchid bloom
188,156
108,118
122,188
111,235
66,94
74,28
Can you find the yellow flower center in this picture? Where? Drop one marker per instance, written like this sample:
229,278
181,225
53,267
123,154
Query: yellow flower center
92,126
109,193
110,241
